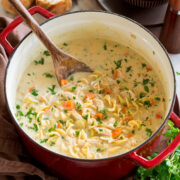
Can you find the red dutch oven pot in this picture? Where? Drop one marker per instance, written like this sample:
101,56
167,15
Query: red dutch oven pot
85,169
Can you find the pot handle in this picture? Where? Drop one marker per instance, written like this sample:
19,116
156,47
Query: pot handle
16,22
164,154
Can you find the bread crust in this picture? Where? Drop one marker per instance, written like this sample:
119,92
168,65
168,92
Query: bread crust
59,7
7,6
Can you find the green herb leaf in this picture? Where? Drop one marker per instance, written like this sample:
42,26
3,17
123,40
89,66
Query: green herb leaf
145,81
105,47
48,75
34,92
52,143
46,53
41,61
178,73
77,133
147,103
128,68
43,140
146,88
115,123
52,89
62,122
142,95
104,111
148,132
118,63
71,78
143,65
98,150
74,88
17,106
65,44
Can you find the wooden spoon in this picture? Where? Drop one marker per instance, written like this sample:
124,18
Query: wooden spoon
64,64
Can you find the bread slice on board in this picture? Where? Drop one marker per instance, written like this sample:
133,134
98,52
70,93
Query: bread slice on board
7,6
55,6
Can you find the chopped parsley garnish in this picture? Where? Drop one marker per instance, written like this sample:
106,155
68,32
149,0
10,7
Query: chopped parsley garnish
142,95
52,143
178,73
143,65
65,111
35,127
99,121
118,63
17,106
101,130
154,52
147,103
85,117
62,137
104,111
128,68
74,88
115,123
34,92
157,98
62,122
71,78
46,53
145,81
28,74
146,88
91,90
52,89
21,124
148,131
77,133
152,83
51,129
105,47
98,150
74,97
43,140
118,81
78,105
101,91
41,61
48,75
65,44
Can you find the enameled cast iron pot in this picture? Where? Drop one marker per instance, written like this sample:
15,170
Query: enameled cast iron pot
110,26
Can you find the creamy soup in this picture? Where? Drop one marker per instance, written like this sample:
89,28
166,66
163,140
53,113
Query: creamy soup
92,115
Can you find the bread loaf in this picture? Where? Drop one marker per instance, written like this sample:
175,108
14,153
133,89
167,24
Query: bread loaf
7,6
55,6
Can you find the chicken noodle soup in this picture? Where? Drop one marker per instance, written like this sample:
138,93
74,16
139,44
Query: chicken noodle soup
92,115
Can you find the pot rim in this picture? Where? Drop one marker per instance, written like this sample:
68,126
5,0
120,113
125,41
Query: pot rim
106,158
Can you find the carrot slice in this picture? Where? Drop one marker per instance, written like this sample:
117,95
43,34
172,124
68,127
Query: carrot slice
116,132
43,100
153,101
99,115
124,109
107,91
59,125
69,105
127,119
148,68
47,108
158,116
63,82
130,135
90,95
115,74
31,89
100,85
126,54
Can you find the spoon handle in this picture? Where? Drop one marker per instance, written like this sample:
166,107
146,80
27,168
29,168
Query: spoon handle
32,23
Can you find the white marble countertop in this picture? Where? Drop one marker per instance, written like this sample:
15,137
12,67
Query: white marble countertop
87,4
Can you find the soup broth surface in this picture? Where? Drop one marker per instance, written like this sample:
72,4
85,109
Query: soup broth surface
92,115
